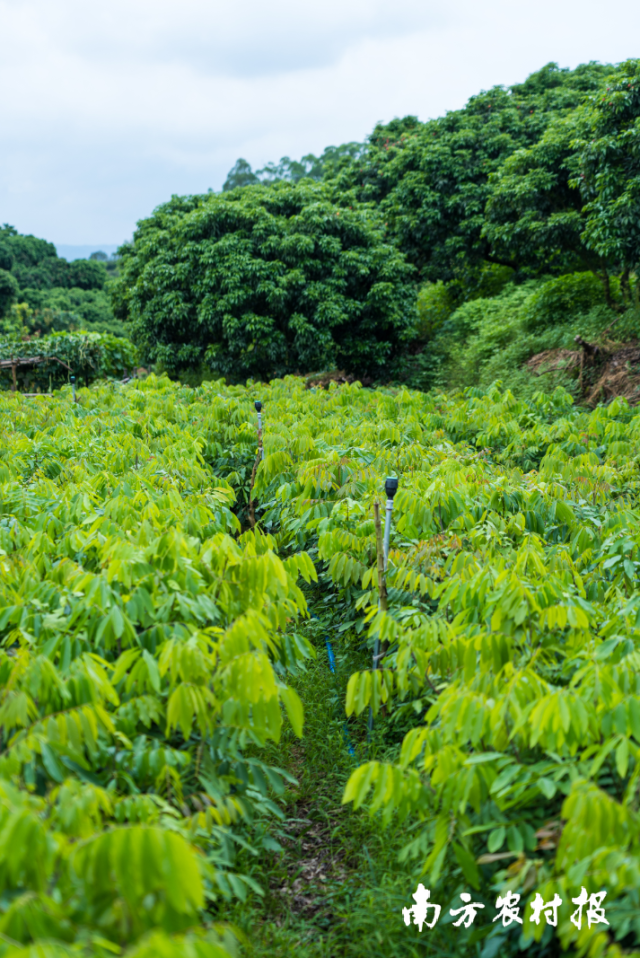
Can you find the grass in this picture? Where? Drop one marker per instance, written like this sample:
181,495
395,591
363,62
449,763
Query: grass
337,889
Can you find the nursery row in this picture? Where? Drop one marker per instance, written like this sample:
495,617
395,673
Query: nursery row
155,577
143,662
510,637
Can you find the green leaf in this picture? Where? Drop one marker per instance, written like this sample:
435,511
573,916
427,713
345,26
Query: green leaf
294,709
152,668
622,757
468,865
51,763
496,839
547,787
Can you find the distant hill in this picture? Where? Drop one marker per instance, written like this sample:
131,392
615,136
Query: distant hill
42,292
84,252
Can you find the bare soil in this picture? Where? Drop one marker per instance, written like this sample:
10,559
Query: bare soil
610,370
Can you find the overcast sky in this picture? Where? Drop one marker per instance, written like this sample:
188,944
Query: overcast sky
108,108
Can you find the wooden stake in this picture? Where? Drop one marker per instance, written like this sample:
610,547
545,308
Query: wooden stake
382,585
252,509
382,579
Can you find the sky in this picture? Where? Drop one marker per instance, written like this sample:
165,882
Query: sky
110,108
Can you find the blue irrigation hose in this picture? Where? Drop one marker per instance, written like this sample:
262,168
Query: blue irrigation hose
332,666
345,727
332,658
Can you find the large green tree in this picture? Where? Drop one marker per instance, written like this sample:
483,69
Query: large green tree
431,180
572,200
609,171
8,291
328,164
264,281
535,216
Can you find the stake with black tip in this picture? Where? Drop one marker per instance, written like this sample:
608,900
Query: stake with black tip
260,455
382,552
258,406
390,487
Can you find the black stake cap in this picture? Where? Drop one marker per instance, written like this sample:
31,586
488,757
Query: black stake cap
73,379
391,487
258,405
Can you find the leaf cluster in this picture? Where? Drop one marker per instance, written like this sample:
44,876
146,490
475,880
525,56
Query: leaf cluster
144,648
88,356
512,631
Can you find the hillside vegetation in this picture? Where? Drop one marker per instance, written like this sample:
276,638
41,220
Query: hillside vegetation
42,293
438,253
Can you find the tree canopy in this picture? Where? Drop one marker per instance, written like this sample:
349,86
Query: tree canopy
36,265
332,159
40,292
609,171
264,281
572,200
432,181
492,182
8,290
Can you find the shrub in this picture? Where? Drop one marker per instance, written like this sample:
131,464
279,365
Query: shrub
435,305
562,298
488,339
90,356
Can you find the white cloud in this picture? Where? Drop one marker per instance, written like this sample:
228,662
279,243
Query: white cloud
111,108
250,39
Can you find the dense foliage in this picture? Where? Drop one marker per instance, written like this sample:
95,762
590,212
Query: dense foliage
512,631
143,666
264,281
433,180
524,184
41,293
609,171
490,338
147,636
572,197
492,182
87,356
